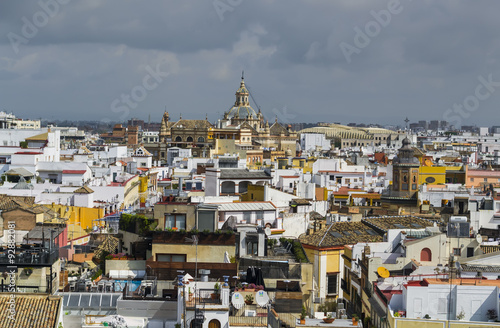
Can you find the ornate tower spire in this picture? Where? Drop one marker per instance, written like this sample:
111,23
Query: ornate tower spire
163,127
242,94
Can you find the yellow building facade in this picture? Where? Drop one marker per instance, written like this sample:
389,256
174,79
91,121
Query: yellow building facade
78,218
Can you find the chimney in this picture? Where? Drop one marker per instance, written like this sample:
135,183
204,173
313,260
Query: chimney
204,275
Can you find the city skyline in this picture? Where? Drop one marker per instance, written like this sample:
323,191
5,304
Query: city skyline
371,62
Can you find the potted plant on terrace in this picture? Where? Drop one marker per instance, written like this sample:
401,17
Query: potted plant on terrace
215,294
303,315
329,318
190,294
355,319
248,299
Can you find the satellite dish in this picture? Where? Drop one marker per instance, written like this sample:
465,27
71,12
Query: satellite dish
383,272
479,238
237,300
262,298
267,231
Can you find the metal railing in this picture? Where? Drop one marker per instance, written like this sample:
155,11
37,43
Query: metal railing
208,296
29,257
288,320
257,321
380,294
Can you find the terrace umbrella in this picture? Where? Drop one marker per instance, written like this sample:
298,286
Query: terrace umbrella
251,278
226,257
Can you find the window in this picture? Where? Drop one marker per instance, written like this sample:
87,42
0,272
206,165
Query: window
470,251
347,181
404,186
471,179
206,220
178,139
171,257
426,255
201,139
175,221
457,251
252,247
332,284
485,179
189,139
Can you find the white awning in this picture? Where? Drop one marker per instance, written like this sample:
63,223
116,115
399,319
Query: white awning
127,274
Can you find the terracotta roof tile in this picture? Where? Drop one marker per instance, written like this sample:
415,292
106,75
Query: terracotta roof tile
340,234
32,310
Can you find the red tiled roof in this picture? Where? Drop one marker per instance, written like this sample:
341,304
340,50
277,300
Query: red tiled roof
290,176
28,153
74,171
345,191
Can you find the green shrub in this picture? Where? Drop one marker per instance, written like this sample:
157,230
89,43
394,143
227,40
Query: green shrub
96,274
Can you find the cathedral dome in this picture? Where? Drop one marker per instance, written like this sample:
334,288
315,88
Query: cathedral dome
241,108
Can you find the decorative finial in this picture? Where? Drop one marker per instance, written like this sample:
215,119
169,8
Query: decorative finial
180,116
206,117
276,119
242,75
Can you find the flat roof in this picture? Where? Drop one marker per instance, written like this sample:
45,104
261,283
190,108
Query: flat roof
246,206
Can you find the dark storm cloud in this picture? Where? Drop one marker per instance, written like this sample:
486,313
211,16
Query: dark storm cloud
91,53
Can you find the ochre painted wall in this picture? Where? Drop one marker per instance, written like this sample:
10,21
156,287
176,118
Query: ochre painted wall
438,173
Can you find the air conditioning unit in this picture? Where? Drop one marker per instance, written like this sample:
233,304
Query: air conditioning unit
317,300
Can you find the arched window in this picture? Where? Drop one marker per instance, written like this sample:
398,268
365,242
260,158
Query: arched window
214,323
425,255
201,139
189,139
178,139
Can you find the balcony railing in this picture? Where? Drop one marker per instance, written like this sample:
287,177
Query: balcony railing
208,296
380,294
24,257
343,285
257,321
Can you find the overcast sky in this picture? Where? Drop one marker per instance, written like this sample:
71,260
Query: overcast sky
304,61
